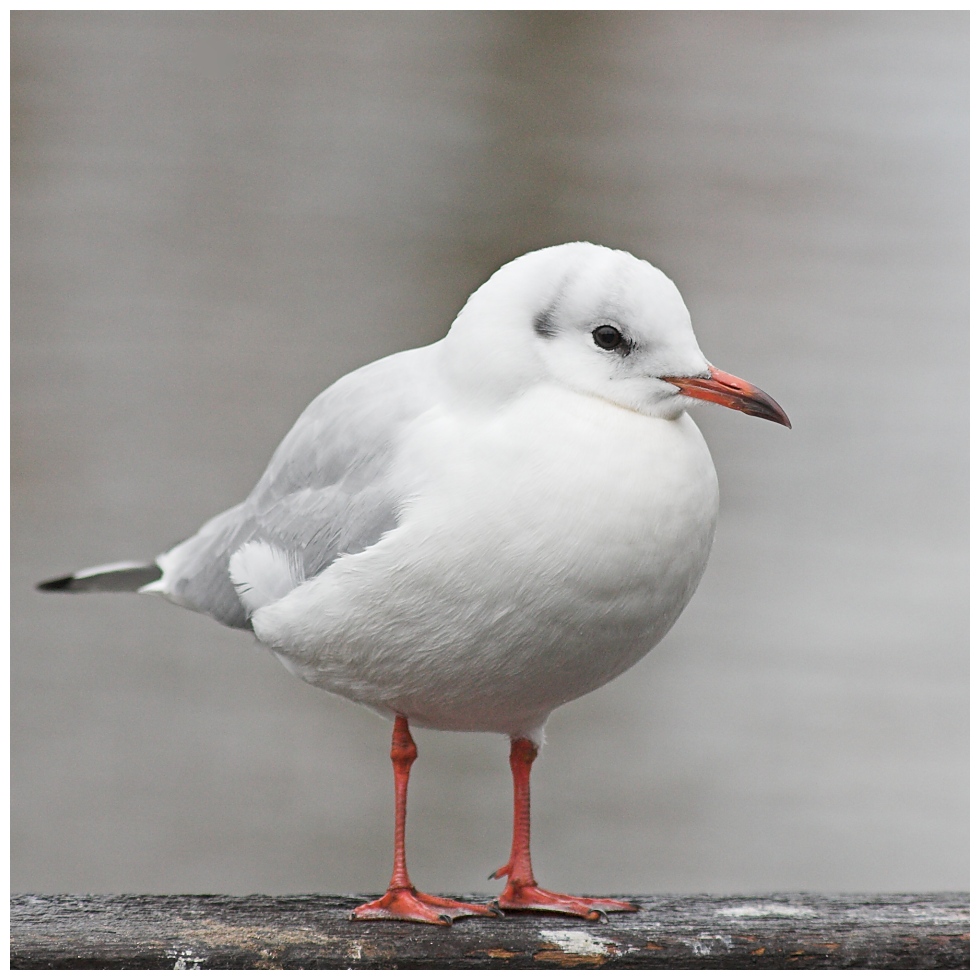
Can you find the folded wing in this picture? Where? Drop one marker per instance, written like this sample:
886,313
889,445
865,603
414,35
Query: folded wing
326,492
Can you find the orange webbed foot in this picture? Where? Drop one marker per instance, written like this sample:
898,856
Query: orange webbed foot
531,898
409,905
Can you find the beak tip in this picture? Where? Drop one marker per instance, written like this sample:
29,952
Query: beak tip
774,413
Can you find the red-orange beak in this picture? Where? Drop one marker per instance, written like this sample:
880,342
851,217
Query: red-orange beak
732,392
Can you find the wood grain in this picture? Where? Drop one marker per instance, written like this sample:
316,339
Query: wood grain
314,932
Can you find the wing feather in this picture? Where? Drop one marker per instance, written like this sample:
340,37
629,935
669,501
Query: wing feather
327,490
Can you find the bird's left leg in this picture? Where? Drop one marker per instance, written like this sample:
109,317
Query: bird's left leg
401,900
522,893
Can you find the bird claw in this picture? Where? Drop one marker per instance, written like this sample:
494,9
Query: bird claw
531,898
409,905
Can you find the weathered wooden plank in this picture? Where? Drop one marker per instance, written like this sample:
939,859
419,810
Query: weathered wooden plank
314,932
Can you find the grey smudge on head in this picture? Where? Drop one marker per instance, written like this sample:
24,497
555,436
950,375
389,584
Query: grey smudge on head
544,323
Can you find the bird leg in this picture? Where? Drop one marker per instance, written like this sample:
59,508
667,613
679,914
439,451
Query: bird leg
401,900
522,893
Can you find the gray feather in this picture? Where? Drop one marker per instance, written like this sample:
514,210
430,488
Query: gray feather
326,491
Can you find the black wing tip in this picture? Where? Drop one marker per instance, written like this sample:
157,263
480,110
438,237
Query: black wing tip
122,577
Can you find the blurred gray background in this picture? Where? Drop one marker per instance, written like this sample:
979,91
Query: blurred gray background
215,215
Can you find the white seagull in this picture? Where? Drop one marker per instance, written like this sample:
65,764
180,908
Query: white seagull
468,535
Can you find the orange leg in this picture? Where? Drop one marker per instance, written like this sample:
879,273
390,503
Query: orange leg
402,901
522,893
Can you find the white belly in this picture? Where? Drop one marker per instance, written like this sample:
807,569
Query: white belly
547,550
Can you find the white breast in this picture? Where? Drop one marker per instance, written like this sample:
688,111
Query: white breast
548,547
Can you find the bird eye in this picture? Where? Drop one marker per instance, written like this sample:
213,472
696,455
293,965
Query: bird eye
606,337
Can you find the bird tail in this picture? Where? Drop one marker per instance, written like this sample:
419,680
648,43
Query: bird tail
120,576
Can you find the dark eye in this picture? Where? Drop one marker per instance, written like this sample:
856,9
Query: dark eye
606,337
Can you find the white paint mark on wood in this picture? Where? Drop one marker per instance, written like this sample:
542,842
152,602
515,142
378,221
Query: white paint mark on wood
705,944
578,942
767,910
186,960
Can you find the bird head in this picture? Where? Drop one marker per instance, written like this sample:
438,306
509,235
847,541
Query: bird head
598,321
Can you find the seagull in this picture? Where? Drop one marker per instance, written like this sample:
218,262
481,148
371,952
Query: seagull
468,535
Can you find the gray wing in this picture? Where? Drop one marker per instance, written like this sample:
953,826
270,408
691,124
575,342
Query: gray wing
326,491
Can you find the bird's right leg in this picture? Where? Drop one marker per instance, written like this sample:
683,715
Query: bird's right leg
401,900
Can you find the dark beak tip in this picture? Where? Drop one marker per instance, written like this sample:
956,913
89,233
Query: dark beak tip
780,418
